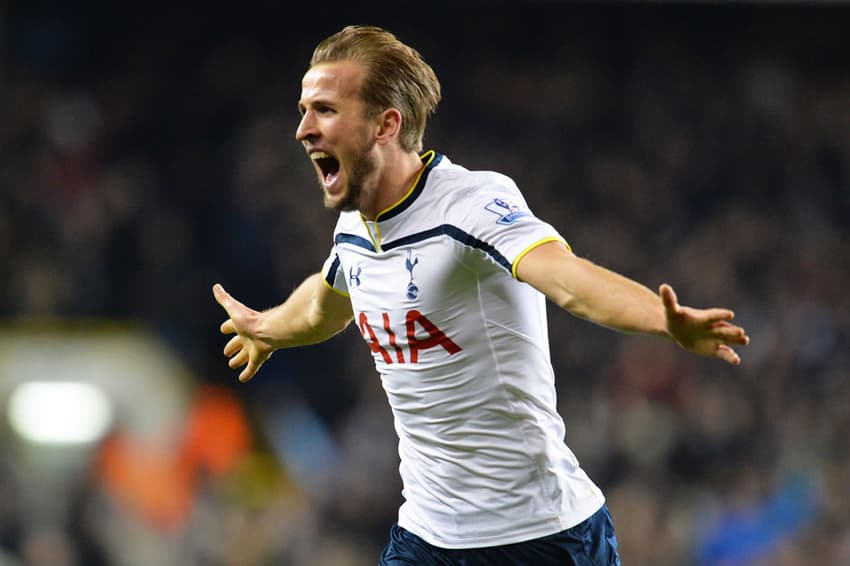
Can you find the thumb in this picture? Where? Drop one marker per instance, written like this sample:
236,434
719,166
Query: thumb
224,298
668,298
219,293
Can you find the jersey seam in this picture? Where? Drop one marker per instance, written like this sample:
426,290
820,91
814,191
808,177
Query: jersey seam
515,333
375,244
540,483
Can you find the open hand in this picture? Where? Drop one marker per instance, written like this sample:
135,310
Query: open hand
707,332
247,348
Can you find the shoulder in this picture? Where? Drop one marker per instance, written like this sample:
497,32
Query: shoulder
475,197
454,176
470,188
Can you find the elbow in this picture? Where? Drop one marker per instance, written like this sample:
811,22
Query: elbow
323,327
340,325
572,303
562,297
575,308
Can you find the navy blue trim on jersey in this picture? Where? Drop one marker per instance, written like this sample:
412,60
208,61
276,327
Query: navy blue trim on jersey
331,276
433,159
456,234
354,240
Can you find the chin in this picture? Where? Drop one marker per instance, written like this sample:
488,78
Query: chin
340,203
345,201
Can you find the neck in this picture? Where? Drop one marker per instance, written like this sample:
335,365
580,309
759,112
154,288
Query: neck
397,173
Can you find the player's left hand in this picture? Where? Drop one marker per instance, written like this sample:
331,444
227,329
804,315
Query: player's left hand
707,332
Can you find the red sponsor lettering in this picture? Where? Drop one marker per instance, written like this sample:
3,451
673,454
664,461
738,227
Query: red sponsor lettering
399,356
413,321
436,337
369,336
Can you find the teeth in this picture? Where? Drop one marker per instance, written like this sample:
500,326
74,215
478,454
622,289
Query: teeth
319,155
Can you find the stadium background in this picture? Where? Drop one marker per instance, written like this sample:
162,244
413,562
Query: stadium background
148,152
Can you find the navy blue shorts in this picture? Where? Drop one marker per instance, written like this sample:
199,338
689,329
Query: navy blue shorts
590,543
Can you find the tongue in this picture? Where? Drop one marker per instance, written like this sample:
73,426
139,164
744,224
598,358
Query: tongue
331,177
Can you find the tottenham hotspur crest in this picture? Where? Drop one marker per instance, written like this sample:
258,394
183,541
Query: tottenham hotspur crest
412,289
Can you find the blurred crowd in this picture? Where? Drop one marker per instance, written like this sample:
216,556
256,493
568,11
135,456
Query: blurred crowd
707,147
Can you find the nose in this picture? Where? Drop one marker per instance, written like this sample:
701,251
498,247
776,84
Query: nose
307,127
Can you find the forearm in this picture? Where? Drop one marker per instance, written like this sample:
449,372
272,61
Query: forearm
592,292
602,296
306,317
612,300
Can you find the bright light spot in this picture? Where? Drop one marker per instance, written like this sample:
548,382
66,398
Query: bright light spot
60,412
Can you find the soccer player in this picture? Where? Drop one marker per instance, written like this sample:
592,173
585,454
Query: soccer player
445,272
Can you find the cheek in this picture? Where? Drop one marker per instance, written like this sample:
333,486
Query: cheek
359,136
351,141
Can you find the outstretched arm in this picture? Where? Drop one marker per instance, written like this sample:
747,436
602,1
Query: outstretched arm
312,313
609,299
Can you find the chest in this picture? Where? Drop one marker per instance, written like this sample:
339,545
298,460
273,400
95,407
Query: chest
411,303
427,276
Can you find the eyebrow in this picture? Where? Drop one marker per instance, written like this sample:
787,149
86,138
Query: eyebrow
302,107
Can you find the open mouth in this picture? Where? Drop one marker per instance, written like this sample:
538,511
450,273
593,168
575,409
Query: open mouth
328,167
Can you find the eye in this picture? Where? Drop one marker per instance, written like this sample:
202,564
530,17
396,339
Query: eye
322,109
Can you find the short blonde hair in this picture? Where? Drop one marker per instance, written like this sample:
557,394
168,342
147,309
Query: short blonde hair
396,77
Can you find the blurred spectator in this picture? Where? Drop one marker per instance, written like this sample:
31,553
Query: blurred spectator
144,155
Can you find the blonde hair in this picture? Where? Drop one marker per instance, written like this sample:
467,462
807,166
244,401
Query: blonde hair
396,77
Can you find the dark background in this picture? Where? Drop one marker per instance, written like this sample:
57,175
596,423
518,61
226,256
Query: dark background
148,151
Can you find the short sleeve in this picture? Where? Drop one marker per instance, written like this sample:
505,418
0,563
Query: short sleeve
498,216
334,275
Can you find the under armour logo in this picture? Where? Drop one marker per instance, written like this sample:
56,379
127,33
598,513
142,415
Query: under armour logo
354,277
412,289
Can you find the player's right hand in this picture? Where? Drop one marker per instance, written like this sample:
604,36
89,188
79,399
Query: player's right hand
246,348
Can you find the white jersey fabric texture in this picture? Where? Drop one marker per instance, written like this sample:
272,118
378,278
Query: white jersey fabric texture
462,350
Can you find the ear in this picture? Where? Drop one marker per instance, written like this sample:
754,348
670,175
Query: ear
389,125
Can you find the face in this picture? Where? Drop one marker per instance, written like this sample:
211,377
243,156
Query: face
336,134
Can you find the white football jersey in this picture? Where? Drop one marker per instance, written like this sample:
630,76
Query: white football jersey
462,350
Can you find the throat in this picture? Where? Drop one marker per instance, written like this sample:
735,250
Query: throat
393,193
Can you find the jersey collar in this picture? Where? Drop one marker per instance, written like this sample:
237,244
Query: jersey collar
430,159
